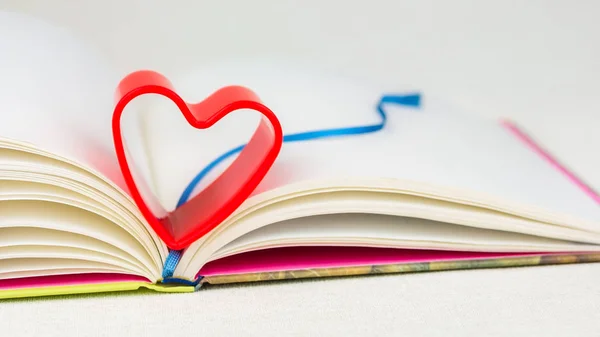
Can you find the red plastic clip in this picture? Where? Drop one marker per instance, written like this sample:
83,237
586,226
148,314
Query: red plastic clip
225,194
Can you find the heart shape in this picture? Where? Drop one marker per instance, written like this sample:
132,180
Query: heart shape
192,220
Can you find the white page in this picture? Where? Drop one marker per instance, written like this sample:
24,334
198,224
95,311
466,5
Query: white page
62,268
29,267
179,151
391,231
32,236
68,182
427,145
49,252
441,150
62,217
57,92
77,187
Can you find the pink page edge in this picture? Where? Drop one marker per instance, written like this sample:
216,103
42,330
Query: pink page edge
68,279
316,257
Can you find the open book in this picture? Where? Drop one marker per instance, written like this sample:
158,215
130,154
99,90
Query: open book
432,189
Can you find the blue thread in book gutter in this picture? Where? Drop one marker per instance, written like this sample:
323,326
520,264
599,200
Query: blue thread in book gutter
409,100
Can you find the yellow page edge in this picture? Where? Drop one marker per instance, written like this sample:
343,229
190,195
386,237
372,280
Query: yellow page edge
90,288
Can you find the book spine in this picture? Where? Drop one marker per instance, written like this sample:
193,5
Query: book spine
171,263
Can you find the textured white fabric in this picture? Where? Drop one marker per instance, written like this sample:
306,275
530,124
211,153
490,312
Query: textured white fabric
535,61
539,301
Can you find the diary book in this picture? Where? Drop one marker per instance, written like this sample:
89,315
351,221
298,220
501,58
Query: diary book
110,180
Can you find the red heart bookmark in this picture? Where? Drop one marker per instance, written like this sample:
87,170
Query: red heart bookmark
189,222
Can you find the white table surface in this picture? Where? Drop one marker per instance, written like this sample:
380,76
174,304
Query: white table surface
537,62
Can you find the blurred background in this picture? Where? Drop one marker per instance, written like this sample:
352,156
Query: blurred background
534,61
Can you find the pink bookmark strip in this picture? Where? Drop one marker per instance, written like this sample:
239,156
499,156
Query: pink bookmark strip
519,133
